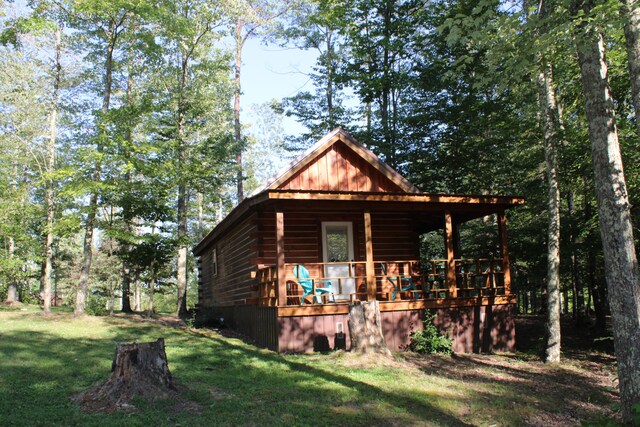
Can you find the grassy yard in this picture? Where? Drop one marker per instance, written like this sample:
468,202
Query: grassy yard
45,361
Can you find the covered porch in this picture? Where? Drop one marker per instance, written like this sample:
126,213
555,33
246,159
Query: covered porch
388,267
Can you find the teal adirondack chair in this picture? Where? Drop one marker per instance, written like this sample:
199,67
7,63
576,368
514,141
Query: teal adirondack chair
302,275
402,288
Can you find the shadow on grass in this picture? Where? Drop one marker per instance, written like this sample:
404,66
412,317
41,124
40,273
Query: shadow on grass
42,365
234,384
548,395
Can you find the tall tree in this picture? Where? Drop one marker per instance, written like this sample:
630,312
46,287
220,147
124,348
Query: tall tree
50,165
44,27
550,126
630,11
249,17
194,117
621,263
317,26
382,40
104,25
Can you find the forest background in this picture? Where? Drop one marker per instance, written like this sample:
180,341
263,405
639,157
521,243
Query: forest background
122,144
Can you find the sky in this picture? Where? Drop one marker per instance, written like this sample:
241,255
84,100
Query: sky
272,72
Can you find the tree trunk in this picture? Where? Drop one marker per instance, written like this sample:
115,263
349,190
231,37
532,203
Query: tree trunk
81,295
126,288
236,107
200,202
182,195
182,251
329,87
621,263
550,124
136,292
630,12
126,209
139,371
48,193
12,285
365,328
152,288
578,288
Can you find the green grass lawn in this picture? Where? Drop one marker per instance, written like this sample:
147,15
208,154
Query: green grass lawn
45,361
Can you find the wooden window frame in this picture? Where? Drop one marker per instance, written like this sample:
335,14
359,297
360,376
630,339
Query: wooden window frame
350,242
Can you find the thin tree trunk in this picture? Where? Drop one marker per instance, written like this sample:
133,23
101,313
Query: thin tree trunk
220,212
200,202
152,286
12,286
551,128
236,107
329,88
136,292
87,247
578,288
550,123
48,194
630,12
126,288
182,196
126,211
621,263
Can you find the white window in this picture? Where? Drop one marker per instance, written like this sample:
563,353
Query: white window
337,251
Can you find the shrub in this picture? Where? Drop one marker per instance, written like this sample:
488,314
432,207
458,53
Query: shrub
635,414
429,340
97,305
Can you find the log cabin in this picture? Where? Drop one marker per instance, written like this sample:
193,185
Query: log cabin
339,225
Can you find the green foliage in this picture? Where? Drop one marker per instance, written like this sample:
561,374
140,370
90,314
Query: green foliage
635,414
430,340
97,305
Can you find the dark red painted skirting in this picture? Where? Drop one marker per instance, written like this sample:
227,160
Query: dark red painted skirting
473,329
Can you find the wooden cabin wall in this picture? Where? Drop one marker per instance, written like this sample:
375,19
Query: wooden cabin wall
340,169
395,237
303,235
235,252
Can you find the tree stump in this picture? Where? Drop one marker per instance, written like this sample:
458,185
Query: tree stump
365,328
139,370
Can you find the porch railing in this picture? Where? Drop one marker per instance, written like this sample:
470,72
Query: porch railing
395,281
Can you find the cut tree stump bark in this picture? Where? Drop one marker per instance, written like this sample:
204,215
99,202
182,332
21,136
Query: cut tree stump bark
365,328
139,370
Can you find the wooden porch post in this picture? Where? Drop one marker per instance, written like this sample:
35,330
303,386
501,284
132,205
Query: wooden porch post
504,251
451,265
281,291
370,269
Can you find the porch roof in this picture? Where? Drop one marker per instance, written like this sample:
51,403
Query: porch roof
463,207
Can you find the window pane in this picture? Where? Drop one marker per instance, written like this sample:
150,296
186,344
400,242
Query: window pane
337,244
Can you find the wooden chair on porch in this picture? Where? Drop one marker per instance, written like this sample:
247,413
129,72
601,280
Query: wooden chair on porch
310,286
406,284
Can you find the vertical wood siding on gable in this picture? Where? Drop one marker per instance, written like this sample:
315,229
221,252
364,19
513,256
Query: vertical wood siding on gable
338,168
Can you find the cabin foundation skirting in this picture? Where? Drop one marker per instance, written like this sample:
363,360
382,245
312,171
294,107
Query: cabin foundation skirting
479,329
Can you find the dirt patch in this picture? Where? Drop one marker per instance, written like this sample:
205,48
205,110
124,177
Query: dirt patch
163,319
